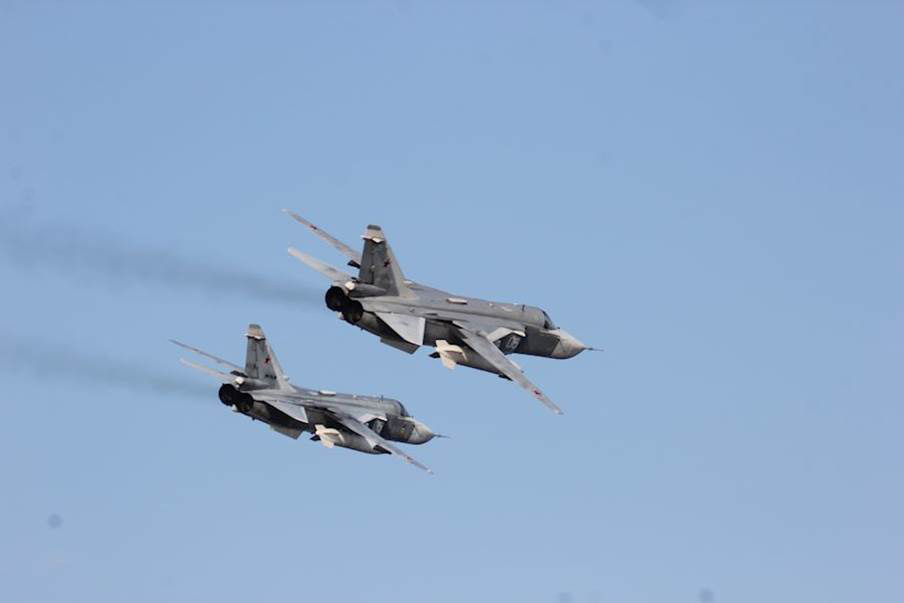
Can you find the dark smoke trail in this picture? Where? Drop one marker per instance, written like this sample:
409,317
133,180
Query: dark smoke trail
41,360
74,252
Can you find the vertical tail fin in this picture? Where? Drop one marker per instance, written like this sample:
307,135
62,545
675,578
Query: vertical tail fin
260,361
379,266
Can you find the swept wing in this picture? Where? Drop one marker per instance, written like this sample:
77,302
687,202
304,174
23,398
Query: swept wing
334,274
353,256
479,341
216,359
223,377
373,438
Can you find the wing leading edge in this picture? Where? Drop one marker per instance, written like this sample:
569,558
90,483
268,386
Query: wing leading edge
353,256
220,376
481,344
216,359
374,439
338,277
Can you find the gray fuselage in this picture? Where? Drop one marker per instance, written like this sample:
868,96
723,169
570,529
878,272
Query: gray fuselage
529,329
390,418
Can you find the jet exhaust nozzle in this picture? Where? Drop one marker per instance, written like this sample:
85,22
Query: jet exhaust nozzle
230,396
338,300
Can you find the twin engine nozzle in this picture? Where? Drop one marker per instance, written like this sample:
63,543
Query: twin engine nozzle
338,300
230,396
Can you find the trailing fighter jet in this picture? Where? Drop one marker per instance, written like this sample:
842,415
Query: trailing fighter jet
406,315
262,391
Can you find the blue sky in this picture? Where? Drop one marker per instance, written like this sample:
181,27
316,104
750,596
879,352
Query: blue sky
709,191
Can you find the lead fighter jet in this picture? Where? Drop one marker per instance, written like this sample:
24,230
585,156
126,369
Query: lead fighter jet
406,315
262,391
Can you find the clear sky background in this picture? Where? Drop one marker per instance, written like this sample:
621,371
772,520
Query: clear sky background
711,191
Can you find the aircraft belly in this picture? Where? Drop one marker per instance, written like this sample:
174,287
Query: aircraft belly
277,419
435,331
293,410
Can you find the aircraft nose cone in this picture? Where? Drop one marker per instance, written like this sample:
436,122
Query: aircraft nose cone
568,346
421,434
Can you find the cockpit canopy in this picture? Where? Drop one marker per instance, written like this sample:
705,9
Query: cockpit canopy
537,317
547,322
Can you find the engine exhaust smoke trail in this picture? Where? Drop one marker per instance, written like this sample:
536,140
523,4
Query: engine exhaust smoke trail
38,361
79,253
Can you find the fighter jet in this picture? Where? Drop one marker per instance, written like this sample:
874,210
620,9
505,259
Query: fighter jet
262,391
406,315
